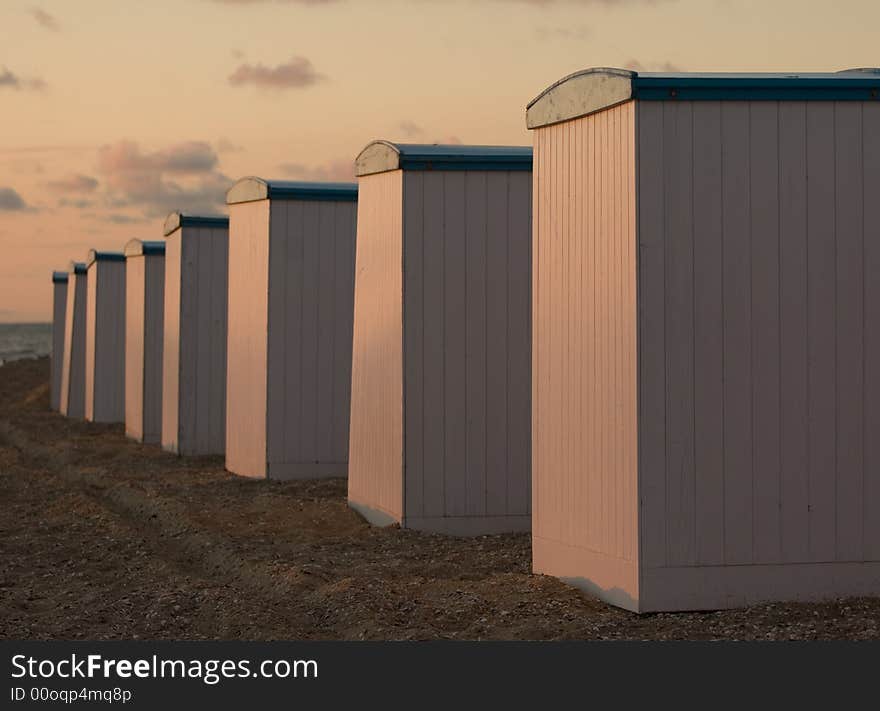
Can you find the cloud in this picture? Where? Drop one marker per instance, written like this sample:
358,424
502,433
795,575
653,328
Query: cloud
45,19
180,176
298,73
335,170
410,129
10,80
637,66
120,219
74,183
78,203
11,201
224,145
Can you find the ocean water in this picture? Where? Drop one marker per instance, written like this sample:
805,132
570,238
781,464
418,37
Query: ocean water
24,340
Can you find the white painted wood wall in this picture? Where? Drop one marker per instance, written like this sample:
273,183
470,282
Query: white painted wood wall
105,342
73,371
59,312
194,348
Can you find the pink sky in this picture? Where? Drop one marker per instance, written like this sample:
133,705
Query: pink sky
114,112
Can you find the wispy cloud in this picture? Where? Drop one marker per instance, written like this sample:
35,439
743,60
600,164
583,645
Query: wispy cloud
44,19
341,169
410,129
224,145
74,183
11,201
180,176
298,73
10,80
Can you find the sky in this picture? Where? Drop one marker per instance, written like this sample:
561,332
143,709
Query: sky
115,112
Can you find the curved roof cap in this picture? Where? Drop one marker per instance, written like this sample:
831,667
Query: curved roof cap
100,256
252,188
591,90
177,220
382,156
76,268
59,277
138,247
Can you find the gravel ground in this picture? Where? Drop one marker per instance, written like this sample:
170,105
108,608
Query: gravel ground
101,538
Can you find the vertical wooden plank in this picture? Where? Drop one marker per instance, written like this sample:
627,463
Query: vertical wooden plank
219,317
309,346
434,386
652,336
821,300
708,336
679,305
849,322
344,252
414,325
793,331
171,343
496,344
294,302
738,473
280,285
188,344
454,344
766,365
326,289
871,356
202,368
135,303
476,220
519,386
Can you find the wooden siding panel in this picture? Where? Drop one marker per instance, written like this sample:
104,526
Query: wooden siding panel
871,353
154,312
171,343
375,481
135,277
794,414
105,344
585,319
59,311
850,330
74,367
821,284
249,264
765,315
708,360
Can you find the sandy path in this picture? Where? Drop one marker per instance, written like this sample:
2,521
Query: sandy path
103,538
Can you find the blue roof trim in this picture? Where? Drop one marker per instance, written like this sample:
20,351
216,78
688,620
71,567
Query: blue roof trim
153,247
59,277
99,256
381,156
251,189
342,192
204,221
840,86
455,157
77,268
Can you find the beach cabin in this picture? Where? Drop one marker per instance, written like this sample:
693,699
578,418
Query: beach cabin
59,312
105,337
194,348
291,285
706,337
73,366
441,371
144,333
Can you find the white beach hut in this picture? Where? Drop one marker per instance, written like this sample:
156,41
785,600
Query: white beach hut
105,337
59,312
144,333
291,284
194,347
73,367
441,371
